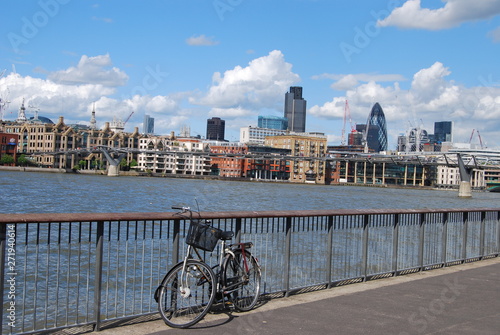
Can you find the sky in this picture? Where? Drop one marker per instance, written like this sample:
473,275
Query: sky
185,61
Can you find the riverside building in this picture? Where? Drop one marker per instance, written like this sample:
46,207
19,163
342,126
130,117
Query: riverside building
303,146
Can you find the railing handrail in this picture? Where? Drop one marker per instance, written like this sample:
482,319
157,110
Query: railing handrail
102,267
145,216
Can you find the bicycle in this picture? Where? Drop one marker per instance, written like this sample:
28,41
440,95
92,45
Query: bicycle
190,288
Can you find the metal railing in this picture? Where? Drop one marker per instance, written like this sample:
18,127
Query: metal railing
90,270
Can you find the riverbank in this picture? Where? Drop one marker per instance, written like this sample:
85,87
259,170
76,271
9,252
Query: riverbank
219,178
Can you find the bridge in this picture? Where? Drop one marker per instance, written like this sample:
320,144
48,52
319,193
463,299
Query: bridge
472,158
88,271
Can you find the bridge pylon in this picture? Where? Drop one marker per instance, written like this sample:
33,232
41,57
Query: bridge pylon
114,163
465,188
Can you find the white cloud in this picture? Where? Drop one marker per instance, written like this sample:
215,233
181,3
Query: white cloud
229,112
330,110
261,84
201,40
69,95
431,98
91,70
345,82
455,12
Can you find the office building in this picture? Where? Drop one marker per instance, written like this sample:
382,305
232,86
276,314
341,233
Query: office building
442,131
377,129
273,122
295,110
257,135
215,129
149,125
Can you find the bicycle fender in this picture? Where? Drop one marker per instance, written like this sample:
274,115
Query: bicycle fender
157,291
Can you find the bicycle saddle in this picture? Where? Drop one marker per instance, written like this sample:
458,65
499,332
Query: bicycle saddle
226,235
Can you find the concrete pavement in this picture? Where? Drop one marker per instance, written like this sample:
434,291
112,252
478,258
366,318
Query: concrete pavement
463,299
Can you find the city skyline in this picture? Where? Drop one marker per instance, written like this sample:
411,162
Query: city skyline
183,64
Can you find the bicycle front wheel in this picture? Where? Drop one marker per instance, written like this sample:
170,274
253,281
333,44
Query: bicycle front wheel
242,280
186,294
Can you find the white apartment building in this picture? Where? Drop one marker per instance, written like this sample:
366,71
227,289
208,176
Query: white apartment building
257,135
160,154
450,177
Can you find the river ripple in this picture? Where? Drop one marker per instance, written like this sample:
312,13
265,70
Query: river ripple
33,192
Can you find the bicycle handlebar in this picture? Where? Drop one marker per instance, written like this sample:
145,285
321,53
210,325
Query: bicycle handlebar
182,208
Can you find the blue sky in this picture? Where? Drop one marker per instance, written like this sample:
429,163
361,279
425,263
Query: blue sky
183,62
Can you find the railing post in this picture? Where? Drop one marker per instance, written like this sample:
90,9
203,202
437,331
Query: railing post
98,274
288,249
421,241
3,244
444,258
175,243
498,234
464,241
329,252
237,232
366,221
482,235
395,245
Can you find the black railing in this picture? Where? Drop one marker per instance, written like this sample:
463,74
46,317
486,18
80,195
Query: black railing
89,270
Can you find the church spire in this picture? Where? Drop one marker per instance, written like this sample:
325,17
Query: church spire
21,116
93,123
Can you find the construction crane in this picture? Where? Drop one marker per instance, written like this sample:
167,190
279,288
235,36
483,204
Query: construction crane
478,135
347,113
128,118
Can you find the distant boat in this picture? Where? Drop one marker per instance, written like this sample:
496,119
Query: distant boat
493,186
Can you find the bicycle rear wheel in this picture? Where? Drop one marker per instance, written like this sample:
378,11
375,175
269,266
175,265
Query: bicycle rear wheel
186,294
241,280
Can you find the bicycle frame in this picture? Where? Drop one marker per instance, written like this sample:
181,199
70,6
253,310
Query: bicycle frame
224,251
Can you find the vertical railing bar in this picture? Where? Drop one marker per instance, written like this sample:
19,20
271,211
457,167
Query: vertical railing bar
47,274
366,222
108,269
175,244
143,258
444,259
134,264
288,244
465,236
498,234
395,244
68,277
26,241
98,275
421,241
482,235
329,267
58,266
117,265
89,250
78,275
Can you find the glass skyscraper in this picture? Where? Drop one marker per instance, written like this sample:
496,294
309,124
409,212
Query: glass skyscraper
273,122
295,110
148,125
442,131
377,129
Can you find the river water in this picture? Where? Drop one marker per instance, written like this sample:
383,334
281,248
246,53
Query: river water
33,192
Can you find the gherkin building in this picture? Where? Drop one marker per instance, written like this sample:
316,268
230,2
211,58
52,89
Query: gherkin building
377,129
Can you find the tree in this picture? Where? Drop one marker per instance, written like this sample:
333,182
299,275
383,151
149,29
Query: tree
81,164
7,160
24,161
